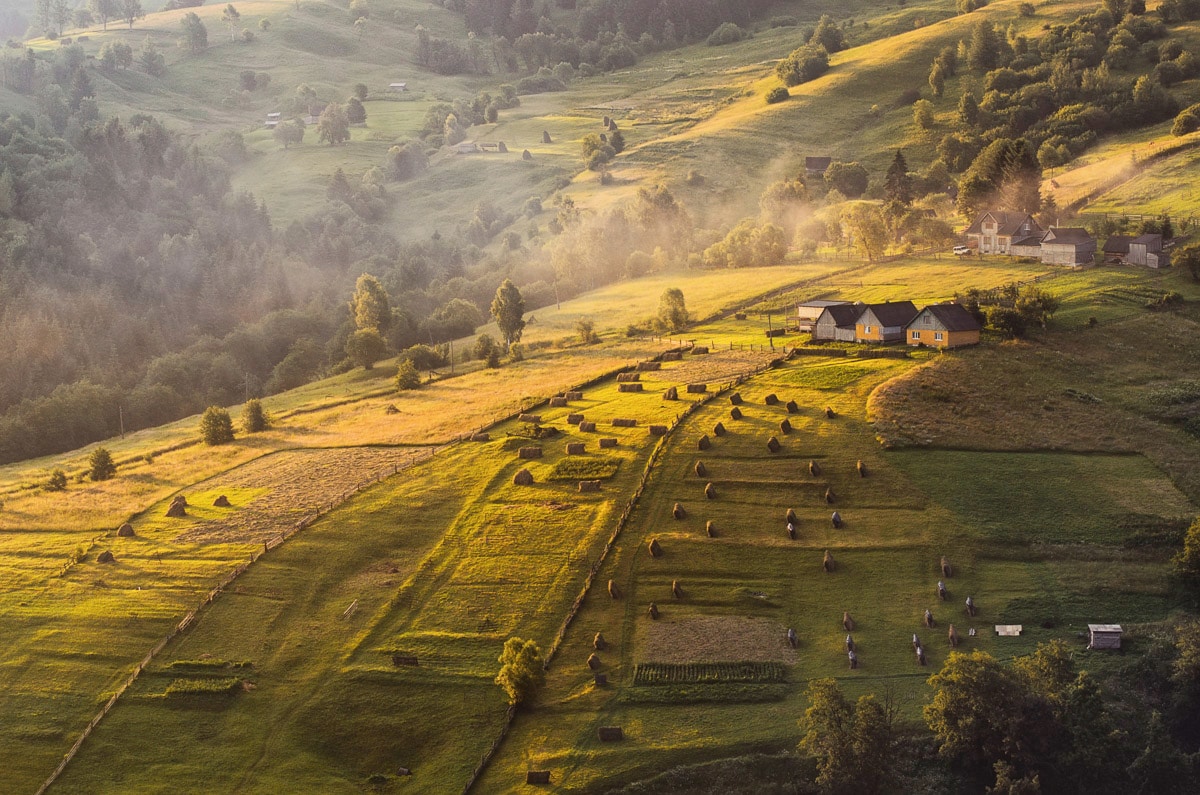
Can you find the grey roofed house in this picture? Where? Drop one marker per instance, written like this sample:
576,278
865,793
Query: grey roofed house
837,322
954,317
993,231
1026,246
817,165
1117,245
1070,245
891,313
808,312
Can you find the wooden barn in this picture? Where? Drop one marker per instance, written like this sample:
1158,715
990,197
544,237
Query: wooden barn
944,326
837,323
809,312
1147,250
1068,246
884,322
1104,636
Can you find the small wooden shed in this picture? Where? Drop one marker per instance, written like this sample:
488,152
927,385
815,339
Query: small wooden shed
1104,636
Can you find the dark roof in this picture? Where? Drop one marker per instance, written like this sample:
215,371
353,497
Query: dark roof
822,303
893,313
1153,241
1117,244
1032,240
817,164
1008,223
843,314
954,317
1067,235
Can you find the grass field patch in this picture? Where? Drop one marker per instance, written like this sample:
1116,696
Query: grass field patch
579,468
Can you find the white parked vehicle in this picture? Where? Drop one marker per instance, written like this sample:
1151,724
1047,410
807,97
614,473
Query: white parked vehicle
962,251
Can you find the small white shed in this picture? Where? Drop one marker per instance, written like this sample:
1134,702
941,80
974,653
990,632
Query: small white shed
1104,636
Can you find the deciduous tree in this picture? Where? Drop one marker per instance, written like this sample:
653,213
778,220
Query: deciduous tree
508,309
216,426
370,305
101,465
254,417
194,32
672,314
333,126
521,672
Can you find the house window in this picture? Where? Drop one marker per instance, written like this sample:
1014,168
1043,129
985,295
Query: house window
916,335
866,329
937,335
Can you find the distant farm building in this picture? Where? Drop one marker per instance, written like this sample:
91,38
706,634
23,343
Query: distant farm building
884,322
466,148
1104,636
1068,246
943,326
399,88
314,112
816,166
993,232
273,120
836,323
808,312
1116,248
1148,250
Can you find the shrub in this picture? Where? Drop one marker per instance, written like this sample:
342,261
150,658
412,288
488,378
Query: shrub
216,427
516,352
586,329
57,481
203,687
101,465
803,64
727,33
777,94
407,376
254,417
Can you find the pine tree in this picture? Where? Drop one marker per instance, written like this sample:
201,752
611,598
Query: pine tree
216,427
101,465
898,183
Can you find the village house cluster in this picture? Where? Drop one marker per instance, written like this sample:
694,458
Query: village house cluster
1020,235
946,325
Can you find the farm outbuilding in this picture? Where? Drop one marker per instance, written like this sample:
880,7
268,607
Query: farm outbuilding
1147,250
1104,636
884,322
837,323
943,326
399,88
1068,246
809,312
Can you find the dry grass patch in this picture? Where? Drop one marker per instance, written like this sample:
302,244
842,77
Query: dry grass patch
694,639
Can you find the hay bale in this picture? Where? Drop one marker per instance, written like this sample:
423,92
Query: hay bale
697,389
576,448
920,656
537,777
862,469
481,437
710,491
546,139
792,640
523,478
601,680
672,356
791,530
771,399
847,621
773,445
573,394
678,511
791,516
390,409
735,413
735,399
177,510
626,378
613,591
792,407
606,121
653,611
587,427
785,426
610,734
947,571
608,443
182,500
836,520
719,429
699,350
536,419
593,661
676,591
529,452
221,502
952,636
927,619
704,443
829,412
850,655
701,470
629,387
407,660
624,422
646,367
829,496
828,563
558,402
672,393
125,531
943,594
849,642
654,548
710,530
599,643
106,557
658,430
574,419
739,315
589,486
971,609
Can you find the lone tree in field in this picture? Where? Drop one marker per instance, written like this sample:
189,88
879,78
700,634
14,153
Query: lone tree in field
854,744
101,465
290,132
194,33
254,417
231,17
508,308
216,427
130,11
407,376
672,312
521,672
333,125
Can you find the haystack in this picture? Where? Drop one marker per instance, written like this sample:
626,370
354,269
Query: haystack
574,419
792,407
828,563
586,486
649,366
624,422
710,491
537,777
221,502
573,394
593,661
125,531
587,427
601,680
676,591
390,409
704,443
847,621
814,468
719,430
625,378
532,418
576,448
672,356
598,642
701,470
609,734
697,389
658,430
523,478
529,452
862,469
771,399
678,511
608,443
558,402
735,399
735,413
654,548
634,387
710,529
672,393
699,350
653,611
829,412
481,437
785,426
106,557
773,445
178,508
613,591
